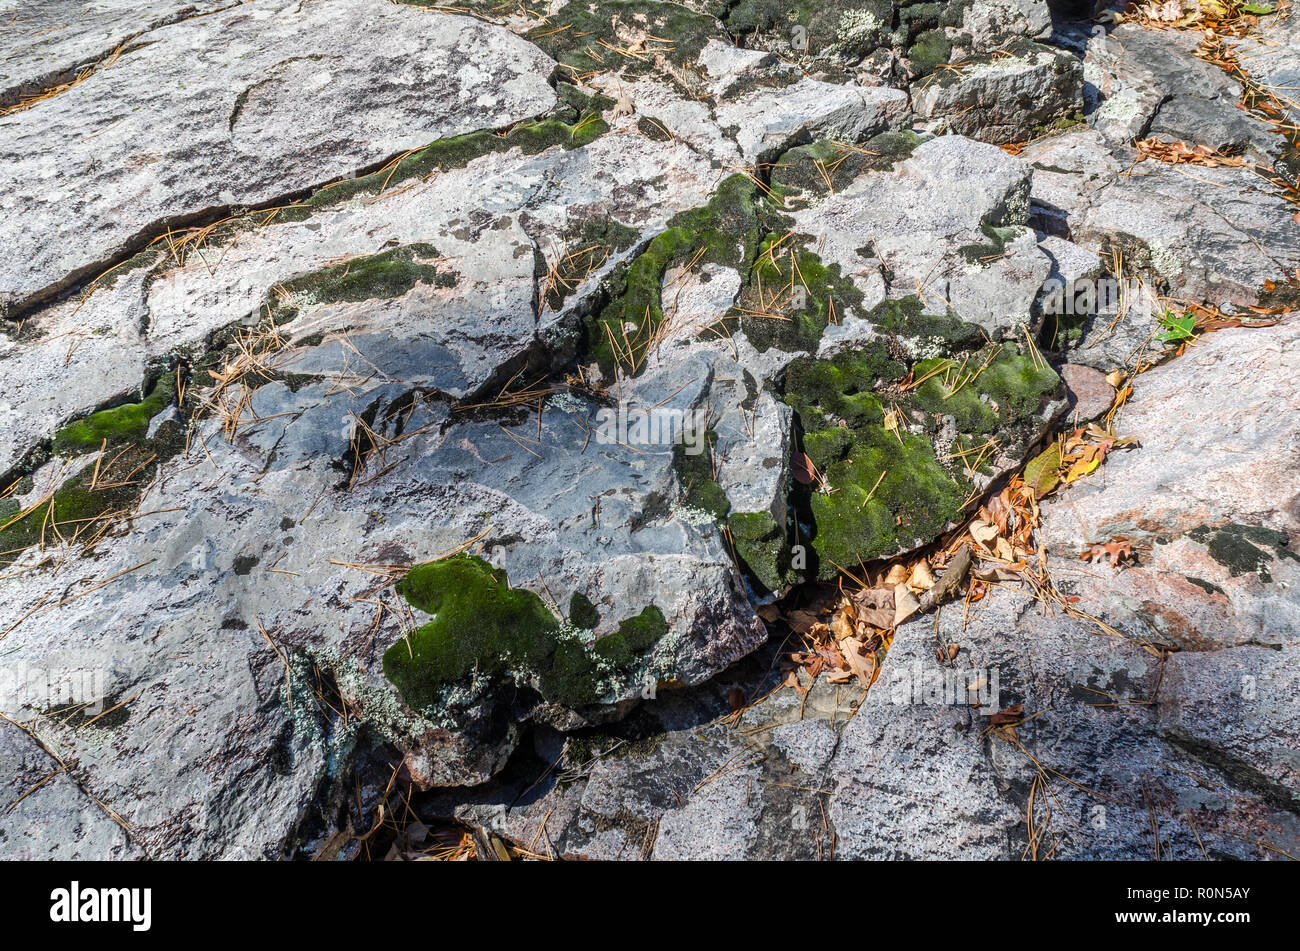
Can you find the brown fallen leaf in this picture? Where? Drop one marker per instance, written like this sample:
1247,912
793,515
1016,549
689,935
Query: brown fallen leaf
874,606
802,468
1008,716
864,668
892,419
905,604
922,578
841,627
897,574
1113,550
801,621
882,597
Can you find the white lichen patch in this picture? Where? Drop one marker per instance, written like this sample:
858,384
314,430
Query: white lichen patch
696,518
857,25
567,403
926,348
1164,261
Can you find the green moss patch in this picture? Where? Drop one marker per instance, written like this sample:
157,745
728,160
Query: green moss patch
930,51
700,490
84,505
826,393
803,296
380,276
482,627
117,425
905,317
844,31
585,37
726,231
882,489
582,613
805,171
763,548
879,492
986,392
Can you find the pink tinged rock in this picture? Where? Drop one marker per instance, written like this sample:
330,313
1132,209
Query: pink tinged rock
1089,394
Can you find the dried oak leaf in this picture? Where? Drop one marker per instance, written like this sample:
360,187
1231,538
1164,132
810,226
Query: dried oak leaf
905,605
801,621
874,606
1112,550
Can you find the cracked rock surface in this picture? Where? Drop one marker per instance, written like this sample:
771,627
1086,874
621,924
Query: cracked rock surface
382,386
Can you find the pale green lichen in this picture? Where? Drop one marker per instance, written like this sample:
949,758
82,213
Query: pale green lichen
1164,261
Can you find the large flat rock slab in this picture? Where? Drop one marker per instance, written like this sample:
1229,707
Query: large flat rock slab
243,107
1199,463
43,45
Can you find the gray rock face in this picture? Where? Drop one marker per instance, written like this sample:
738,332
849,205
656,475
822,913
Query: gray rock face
77,358
926,223
909,774
1230,705
1129,69
48,816
202,626
772,120
1268,56
991,22
1209,501
1218,235
48,44
1241,465
141,148
1011,97
885,39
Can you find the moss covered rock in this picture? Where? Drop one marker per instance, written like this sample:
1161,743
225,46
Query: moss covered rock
586,37
117,425
104,493
812,170
484,629
726,231
881,486
379,276
846,31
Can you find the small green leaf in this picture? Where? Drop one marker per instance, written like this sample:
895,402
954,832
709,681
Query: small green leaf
1041,472
1177,328
1258,9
